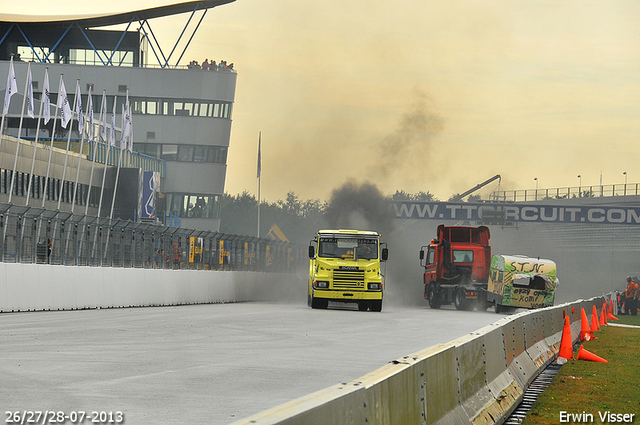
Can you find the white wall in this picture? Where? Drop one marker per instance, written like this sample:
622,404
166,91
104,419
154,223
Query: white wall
29,287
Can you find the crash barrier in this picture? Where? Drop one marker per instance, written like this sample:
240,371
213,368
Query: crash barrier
36,287
477,379
40,236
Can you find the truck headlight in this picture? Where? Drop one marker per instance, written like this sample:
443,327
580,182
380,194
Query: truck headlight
374,285
321,284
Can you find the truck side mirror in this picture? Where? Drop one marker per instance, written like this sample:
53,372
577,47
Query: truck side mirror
385,254
422,255
312,252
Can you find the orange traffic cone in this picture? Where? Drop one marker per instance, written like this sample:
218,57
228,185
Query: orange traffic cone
585,332
610,315
573,310
566,343
594,320
603,320
586,355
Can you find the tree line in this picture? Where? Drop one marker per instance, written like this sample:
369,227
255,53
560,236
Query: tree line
298,219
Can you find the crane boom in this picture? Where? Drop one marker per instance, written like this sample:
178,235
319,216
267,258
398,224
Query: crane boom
479,186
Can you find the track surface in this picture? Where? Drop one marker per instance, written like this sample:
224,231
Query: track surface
204,364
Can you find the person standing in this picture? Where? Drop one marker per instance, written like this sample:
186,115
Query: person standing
631,297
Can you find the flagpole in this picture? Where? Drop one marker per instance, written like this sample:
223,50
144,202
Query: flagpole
35,145
93,158
15,159
53,134
259,173
81,130
66,153
115,188
111,137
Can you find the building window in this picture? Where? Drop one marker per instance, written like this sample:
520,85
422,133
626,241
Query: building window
169,152
184,153
194,205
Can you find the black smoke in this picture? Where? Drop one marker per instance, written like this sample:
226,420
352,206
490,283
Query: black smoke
360,206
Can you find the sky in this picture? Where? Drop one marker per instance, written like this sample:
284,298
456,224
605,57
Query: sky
415,95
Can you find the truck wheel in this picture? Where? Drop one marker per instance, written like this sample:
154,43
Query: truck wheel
459,300
363,306
434,302
376,306
319,303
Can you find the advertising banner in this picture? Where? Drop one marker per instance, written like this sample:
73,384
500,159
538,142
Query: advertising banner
516,212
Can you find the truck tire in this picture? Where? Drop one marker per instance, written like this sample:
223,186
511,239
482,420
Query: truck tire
434,301
459,300
319,303
376,306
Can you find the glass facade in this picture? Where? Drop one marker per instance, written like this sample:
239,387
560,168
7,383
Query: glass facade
193,205
183,153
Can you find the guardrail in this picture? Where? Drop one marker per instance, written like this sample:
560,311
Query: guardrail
477,379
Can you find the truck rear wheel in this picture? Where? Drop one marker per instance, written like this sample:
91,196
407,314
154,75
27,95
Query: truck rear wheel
459,300
434,301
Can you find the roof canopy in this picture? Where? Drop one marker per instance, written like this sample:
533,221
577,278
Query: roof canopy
52,38
101,20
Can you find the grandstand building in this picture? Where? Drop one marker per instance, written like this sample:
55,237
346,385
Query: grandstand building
181,118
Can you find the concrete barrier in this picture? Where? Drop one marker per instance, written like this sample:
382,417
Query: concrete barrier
477,379
34,287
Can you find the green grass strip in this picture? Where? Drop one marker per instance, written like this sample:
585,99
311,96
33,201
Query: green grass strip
585,390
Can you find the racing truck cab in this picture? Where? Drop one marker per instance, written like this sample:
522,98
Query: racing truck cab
345,266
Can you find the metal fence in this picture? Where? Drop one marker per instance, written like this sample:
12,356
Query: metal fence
36,235
631,189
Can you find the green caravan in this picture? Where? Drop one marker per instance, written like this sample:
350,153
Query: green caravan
345,266
516,281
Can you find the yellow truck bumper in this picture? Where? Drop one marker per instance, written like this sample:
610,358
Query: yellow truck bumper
347,295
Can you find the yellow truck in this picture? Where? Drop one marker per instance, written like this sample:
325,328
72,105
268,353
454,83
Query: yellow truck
345,266
517,281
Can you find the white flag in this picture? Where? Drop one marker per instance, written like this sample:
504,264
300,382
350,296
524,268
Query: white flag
126,127
123,133
63,104
78,109
46,98
90,115
30,96
12,88
103,117
112,130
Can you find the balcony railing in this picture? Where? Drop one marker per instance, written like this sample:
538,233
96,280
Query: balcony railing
528,195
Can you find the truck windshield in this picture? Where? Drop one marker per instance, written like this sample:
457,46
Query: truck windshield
348,248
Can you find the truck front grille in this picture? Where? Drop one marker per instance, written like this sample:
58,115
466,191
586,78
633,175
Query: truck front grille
348,279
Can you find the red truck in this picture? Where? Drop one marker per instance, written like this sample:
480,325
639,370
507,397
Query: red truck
456,267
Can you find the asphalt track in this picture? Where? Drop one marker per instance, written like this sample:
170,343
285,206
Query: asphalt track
203,364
